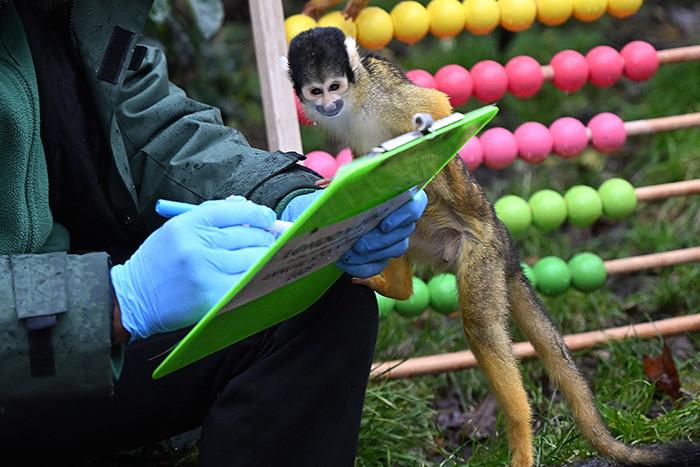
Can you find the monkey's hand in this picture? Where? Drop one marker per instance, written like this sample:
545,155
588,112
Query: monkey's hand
353,8
396,281
324,182
315,8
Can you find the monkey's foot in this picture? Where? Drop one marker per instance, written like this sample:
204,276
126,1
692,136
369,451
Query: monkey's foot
379,284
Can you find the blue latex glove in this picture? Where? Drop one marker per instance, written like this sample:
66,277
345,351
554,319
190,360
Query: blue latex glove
189,263
371,253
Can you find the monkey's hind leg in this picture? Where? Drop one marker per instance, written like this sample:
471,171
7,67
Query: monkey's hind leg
396,281
484,308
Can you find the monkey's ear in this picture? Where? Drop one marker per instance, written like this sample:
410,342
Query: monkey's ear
353,53
284,63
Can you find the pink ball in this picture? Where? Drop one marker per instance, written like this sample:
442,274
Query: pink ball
322,163
605,65
570,70
455,81
641,61
499,148
569,137
343,157
471,153
534,142
524,76
490,81
303,119
421,78
607,132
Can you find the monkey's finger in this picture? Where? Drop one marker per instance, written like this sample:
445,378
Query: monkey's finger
376,240
393,251
363,271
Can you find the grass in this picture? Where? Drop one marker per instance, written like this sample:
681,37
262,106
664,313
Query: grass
399,421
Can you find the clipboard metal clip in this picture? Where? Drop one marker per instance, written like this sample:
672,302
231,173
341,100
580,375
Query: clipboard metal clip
424,125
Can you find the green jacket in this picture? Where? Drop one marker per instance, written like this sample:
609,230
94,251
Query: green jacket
164,145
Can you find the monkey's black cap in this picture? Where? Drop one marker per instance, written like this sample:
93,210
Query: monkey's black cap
316,55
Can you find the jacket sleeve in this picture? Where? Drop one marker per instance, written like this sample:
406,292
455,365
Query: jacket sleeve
180,149
55,327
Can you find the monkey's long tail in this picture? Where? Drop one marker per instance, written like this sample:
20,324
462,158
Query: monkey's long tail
530,317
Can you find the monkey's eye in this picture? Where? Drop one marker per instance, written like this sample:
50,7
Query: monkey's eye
334,87
316,91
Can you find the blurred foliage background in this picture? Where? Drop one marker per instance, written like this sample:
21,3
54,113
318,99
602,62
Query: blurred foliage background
209,47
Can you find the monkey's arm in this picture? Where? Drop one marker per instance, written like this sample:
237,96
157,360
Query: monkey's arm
353,8
316,8
396,281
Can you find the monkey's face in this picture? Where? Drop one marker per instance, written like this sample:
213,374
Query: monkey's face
326,97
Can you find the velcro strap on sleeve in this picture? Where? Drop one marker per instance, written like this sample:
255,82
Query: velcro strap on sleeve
39,283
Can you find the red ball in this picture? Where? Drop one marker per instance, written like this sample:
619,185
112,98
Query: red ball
570,70
499,147
524,76
605,66
607,132
569,137
421,78
303,119
322,163
534,142
471,153
455,81
343,157
490,81
641,61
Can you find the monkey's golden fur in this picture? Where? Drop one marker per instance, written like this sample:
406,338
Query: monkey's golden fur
459,232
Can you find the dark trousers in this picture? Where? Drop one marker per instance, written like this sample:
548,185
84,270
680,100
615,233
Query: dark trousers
290,395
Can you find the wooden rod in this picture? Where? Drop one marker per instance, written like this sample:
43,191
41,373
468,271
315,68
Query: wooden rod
432,364
679,54
667,190
657,125
281,123
653,260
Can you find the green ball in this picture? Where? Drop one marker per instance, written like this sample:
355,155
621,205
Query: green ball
514,212
529,274
587,271
618,197
417,302
553,275
548,209
444,297
583,205
385,305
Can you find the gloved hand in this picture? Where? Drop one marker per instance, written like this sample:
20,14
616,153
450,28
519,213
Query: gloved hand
189,263
371,252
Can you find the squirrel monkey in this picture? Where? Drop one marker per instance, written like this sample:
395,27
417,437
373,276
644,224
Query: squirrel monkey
363,101
316,8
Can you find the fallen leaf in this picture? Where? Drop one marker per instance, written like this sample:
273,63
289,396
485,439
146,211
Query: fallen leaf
662,371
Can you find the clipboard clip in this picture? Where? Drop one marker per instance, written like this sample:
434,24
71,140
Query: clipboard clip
424,125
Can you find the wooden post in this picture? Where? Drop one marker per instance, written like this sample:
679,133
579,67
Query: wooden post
281,123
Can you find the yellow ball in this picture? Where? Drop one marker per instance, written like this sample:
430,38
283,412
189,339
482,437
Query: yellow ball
446,18
482,16
296,24
336,19
589,10
517,15
411,22
554,12
374,28
623,8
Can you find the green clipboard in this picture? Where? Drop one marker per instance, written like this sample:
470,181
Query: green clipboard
300,266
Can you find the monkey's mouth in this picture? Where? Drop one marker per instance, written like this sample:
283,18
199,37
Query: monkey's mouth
330,110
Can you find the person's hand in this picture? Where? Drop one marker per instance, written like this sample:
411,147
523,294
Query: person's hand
371,253
297,205
189,263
